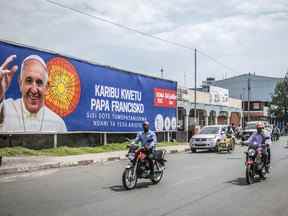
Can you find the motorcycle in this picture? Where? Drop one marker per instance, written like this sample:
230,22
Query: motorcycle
138,166
227,143
255,163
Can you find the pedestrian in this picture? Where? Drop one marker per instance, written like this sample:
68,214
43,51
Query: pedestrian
275,133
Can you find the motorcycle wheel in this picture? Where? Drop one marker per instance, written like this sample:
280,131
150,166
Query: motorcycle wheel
233,145
228,150
129,180
249,175
262,175
158,173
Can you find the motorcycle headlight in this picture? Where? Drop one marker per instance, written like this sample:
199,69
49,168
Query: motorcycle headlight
131,156
251,152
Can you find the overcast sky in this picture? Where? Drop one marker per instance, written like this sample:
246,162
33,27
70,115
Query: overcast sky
246,36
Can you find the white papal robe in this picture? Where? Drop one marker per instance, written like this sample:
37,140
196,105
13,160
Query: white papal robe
18,119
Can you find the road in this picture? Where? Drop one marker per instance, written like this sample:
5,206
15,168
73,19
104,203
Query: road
194,184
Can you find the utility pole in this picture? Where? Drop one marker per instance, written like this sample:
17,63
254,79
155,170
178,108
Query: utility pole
249,89
195,87
162,73
184,79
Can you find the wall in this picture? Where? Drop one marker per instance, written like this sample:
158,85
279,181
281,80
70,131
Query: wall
44,141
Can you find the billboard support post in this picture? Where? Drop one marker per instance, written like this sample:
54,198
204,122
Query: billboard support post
187,126
55,141
105,138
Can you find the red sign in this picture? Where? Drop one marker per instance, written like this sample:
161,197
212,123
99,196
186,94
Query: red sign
165,98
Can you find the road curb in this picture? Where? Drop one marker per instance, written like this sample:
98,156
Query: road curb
13,170
173,151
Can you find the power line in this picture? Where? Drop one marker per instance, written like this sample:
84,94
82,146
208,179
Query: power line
119,25
137,31
216,61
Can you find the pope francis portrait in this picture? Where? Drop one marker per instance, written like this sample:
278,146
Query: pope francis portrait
28,113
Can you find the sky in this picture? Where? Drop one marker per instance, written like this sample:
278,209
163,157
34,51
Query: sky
233,36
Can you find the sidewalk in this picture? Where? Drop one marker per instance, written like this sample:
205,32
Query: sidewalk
12,165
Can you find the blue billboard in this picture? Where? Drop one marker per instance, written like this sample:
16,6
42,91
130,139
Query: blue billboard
45,92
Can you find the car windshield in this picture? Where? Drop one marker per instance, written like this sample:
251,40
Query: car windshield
209,130
251,126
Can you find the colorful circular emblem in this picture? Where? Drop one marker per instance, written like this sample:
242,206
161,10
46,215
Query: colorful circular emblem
64,86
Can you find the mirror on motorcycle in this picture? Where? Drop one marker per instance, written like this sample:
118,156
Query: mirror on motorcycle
127,139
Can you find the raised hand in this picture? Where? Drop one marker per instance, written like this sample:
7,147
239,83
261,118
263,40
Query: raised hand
6,75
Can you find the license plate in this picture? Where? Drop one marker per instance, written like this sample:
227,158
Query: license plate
200,144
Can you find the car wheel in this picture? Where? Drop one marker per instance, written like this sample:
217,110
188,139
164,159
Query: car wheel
216,149
193,150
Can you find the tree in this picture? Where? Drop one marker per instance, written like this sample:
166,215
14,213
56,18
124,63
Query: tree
279,105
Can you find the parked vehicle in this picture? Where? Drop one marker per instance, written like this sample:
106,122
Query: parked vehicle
138,166
255,163
208,138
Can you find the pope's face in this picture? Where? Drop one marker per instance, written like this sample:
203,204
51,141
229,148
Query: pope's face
32,85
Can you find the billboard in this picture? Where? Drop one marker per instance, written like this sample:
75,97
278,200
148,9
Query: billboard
78,96
219,96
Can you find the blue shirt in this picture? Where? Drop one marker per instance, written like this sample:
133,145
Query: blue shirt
256,139
148,139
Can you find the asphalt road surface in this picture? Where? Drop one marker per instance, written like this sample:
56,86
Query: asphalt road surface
194,184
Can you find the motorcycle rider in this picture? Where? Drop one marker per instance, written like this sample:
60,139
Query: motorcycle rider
229,131
259,138
148,140
233,127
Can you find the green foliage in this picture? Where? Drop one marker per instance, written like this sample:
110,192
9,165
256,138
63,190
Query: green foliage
19,151
279,105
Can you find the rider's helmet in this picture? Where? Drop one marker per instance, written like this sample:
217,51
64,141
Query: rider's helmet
146,126
145,123
259,127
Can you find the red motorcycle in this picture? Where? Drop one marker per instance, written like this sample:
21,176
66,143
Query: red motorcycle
255,163
138,166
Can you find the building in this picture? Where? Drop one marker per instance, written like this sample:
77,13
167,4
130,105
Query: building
260,94
212,107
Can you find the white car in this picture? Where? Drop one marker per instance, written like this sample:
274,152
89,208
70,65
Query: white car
207,138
